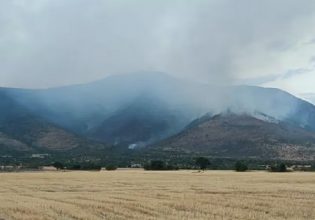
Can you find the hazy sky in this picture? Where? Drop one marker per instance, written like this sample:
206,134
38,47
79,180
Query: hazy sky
45,43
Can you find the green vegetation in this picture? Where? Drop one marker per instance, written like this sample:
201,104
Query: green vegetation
84,166
161,161
159,165
58,165
111,167
202,163
240,166
278,168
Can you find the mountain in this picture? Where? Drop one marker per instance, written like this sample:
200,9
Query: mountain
95,110
143,108
142,122
275,103
242,136
21,131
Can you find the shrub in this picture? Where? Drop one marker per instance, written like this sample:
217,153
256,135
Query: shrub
278,168
111,167
159,165
282,167
75,167
58,165
86,166
240,166
155,165
91,167
202,163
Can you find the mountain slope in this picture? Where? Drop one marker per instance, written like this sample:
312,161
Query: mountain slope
242,136
275,103
8,144
112,110
140,123
84,107
22,131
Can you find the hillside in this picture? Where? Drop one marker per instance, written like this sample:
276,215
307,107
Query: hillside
242,136
140,123
21,131
147,106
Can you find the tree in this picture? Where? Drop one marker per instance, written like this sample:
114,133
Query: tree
74,167
111,167
58,165
278,168
282,167
202,163
159,165
155,165
240,166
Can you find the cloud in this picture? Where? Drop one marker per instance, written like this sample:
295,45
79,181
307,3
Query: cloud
258,80
55,42
312,60
295,72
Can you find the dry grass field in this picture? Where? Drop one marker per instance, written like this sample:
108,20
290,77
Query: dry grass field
136,194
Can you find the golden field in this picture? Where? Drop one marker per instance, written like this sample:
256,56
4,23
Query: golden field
137,194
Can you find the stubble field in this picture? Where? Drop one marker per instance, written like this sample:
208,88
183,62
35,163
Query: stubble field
137,194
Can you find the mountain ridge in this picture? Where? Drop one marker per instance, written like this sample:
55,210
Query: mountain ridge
22,131
232,135
146,108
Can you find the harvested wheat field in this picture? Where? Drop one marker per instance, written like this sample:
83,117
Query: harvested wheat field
137,194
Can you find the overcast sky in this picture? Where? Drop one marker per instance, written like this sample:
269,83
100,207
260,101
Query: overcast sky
46,43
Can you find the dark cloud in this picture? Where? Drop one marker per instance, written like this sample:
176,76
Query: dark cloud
55,42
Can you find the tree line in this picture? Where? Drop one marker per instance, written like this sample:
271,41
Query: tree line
200,163
203,163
